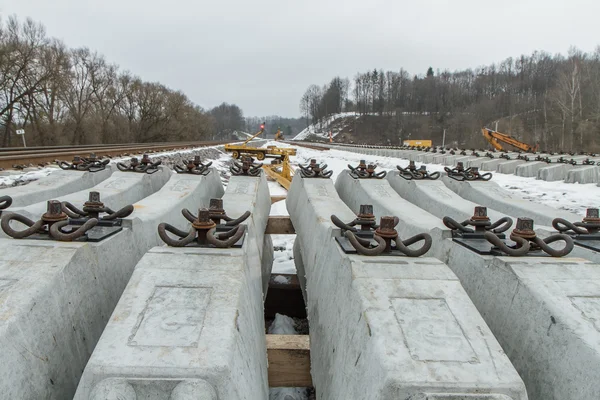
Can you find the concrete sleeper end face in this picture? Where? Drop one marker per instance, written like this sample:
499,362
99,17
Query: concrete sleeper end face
196,389
113,389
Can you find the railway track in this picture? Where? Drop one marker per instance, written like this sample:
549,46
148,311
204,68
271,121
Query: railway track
24,156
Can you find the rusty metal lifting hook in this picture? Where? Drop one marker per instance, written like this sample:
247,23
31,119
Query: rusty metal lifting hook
384,234
93,208
51,223
314,170
145,165
203,230
5,202
245,168
364,171
589,226
411,172
526,240
92,164
480,221
195,167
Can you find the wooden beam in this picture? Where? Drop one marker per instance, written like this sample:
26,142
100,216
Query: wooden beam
280,225
289,360
275,199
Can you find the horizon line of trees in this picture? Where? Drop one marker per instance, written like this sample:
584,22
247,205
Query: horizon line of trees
551,100
60,95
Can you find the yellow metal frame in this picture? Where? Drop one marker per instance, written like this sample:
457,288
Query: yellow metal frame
285,175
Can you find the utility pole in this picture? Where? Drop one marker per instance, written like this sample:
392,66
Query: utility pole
444,139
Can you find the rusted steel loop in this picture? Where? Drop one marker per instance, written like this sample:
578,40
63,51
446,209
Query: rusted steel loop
122,213
452,224
245,168
185,238
402,245
58,233
188,215
5,202
305,173
433,176
543,244
32,227
226,239
237,221
502,225
455,174
363,250
478,177
562,225
342,225
99,208
122,167
66,166
71,210
520,250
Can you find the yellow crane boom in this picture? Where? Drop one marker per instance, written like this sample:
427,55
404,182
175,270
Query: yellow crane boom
496,138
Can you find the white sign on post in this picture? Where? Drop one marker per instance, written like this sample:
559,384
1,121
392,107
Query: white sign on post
20,131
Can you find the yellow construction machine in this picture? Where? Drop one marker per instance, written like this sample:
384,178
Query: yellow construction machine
279,169
279,135
496,137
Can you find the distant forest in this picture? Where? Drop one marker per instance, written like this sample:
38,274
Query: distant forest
545,99
63,96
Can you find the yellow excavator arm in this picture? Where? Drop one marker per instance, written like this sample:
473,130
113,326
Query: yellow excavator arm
495,138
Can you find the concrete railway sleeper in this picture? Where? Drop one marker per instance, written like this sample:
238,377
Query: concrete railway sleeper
58,183
541,309
57,296
190,322
376,329
544,166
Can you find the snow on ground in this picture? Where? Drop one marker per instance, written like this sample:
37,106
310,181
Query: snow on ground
317,129
566,196
17,178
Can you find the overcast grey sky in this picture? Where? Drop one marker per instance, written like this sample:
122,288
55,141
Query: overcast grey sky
263,54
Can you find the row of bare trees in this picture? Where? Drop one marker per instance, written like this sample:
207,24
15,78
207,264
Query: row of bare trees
74,96
552,100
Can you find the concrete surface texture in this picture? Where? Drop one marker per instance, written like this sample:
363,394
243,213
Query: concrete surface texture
121,189
376,330
59,296
491,195
554,172
530,169
509,167
544,313
492,165
386,202
583,174
476,162
190,322
436,198
58,183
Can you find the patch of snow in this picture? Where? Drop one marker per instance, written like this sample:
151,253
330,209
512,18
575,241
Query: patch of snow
25,177
317,129
282,280
283,254
282,325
